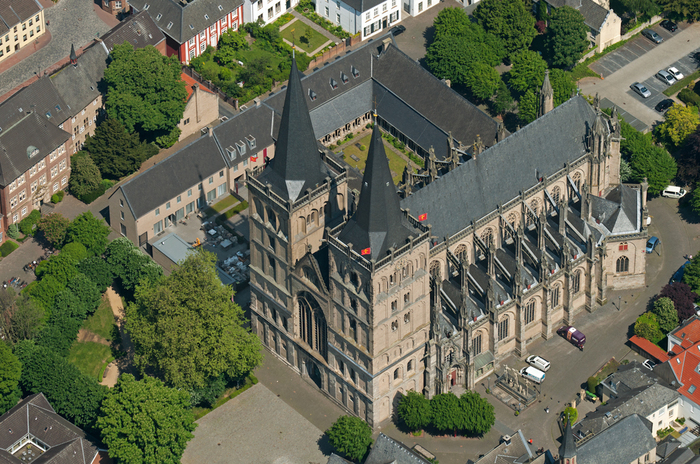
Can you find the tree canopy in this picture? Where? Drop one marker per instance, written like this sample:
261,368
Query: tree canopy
54,227
350,436
186,329
85,176
10,373
647,159
447,414
144,90
679,123
567,37
688,159
527,72
647,327
478,413
508,19
691,274
414,411
682,296
562,85
666,314
685,9
90,231
130,265
145,422
20,317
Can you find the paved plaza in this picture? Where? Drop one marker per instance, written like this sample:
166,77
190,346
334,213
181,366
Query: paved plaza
256,427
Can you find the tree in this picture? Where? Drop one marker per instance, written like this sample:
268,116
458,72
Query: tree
626,173
144,90
230,43
527,72
483,80
186,329
20,317
679,123
478,413
567,37
10,373
688,159
90,231
508,19
86,291
644,7
130,265
503,101
563,85
115,151
666,314
145,422
447,414
647,327
682,296
686,9
414,411
85,176
592,383
54,226
61,267
350,436
451,21
646,159
43,292
527,107
97,270
571,414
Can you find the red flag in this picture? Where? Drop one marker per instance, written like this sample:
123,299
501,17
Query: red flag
423,217
254,158
366,251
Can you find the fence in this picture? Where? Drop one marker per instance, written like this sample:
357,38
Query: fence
339,49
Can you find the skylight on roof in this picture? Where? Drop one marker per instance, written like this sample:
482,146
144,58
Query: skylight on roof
206,16
221,8
191,27
170,24
691,390
58,107
158,17
312,95
48,114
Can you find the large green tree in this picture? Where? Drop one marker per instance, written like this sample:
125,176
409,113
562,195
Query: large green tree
85,176
691,274
478,413
447,413
98,271
527,72
567,37
53,227
646,159
685,9
10,373
145,422
144,90
414,411
130,264
679,123
20,317
527,107
688,159
508,19
350,436
666,314
186,329
115,151
644,7
90,231
562,85
483,80
647,327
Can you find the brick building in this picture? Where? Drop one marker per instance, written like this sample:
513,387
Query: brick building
21,22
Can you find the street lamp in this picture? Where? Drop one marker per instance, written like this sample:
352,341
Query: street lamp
619,303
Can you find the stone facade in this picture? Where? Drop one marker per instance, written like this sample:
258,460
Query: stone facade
20,25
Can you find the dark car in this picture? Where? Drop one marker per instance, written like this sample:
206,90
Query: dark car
669,25
663,105
653,36
678,275
398,29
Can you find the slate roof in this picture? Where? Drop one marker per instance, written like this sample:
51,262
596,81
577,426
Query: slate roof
35,416
182,22
594,15
623,442
629,377
518,451
335,459
42,97
542,147
78,85
13,12
568,444
618,211
362,5
20,140
184,169
378,223
139,30
297,164
389,451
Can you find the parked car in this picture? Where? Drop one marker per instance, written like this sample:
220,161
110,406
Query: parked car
663,105
574,336
675,73
669,25
533,374
641,90
649,364
673,192
678,275
652,243
398,29
666,77
653,36
539,363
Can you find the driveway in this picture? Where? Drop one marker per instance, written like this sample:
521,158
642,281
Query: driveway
616,86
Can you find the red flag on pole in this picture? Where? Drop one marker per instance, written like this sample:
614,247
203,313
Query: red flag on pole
366,251
423,217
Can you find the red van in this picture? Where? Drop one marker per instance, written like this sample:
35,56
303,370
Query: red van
574,336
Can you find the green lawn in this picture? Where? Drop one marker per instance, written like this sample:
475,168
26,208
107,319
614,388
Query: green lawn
102,322
295,33
218,207
89,357
396,163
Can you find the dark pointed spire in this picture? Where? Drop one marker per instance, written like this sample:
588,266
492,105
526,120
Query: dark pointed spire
297,162
567,450
73,56
378,223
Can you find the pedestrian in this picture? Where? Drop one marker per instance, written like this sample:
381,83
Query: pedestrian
530,441
546,409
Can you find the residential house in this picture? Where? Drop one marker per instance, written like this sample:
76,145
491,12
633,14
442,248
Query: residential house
190,26
139,30
115,7
33,432
202,108
511,450
684,336
628,377
670,451
266,11
682,371
604,26
21,22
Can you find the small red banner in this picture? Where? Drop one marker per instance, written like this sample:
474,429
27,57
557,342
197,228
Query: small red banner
366,251
423,217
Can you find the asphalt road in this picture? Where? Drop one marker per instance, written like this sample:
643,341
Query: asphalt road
616,86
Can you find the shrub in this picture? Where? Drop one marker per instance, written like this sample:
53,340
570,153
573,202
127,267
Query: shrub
28,224
350,436
363,148
77,250
7,248
13,231
689,97
592,383
57,197
571,414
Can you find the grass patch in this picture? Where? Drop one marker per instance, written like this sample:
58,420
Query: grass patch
296,34
102,321
284,19
228,395
396,163
8,247
608,369
89,357
681,84
223,204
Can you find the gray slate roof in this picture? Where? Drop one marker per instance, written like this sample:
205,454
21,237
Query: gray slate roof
19,141
78,85
362,5
594,15
188,167
623,442
42,97
518,451
13,12
185,21
139,30
335,459
618,211
35,416
389,451
467,193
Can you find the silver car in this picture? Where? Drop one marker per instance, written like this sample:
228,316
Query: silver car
653,36
641,90
666,77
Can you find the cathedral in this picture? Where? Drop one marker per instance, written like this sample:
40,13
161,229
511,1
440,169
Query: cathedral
372,291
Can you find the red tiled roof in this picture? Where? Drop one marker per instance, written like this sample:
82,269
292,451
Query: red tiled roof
189,82
691,331
649,348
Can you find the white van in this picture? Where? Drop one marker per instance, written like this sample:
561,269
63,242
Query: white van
673,192
533,374
538,362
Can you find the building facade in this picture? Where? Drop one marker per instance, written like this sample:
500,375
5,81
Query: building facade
267,11
201,110
21,22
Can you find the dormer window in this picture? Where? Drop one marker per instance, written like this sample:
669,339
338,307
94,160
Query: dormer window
231,153
206,16
48,114
355,72
221,8
251,142
146,6
312,95
158,17
241,147
334,84
58,108
170,24
343,77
